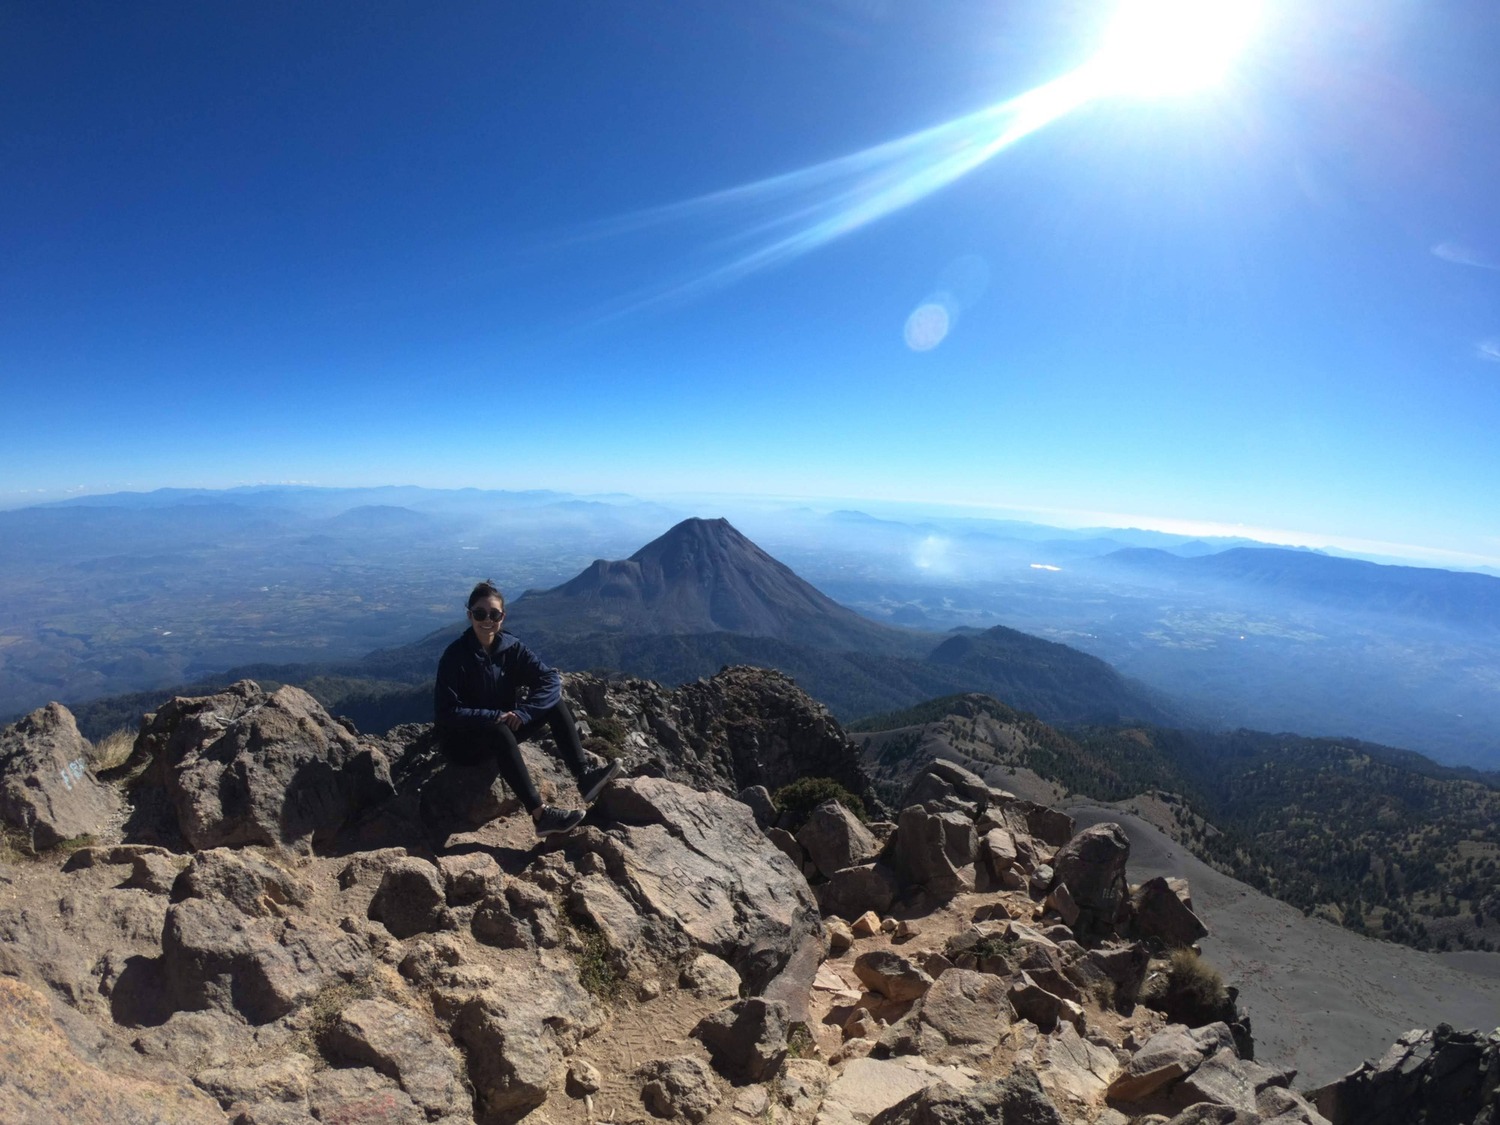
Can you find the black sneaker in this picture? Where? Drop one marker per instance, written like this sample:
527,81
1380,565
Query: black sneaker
592,783
554,821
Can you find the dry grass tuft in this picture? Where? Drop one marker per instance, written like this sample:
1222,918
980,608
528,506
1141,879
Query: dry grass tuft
112,751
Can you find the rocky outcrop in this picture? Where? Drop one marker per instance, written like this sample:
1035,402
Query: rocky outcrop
835,839
1162,910
1092,866
48,789
248,767
667,959
740,728
1441,1075
699,860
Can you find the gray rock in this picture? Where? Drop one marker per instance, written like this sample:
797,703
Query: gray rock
470,877
855,890
890,974
698,861
1045,1009
361,1094
517,1031
583,1078
998,849
747,1041
410,899
711,977
787,845
390,1039
47,788
1159,911
962,1017
595,899
921,854
840,937
256,887
245,767
1092,864
835,839
1117,970
1172,1053
758,797
221,960
1017,1100
1437,1075
282,1080
1220,1079
680,1087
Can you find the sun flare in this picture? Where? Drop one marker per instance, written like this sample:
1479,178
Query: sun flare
1156,48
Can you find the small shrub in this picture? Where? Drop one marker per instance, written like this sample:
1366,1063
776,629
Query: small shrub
606,737
805,794
799,1043
1195,993
596,971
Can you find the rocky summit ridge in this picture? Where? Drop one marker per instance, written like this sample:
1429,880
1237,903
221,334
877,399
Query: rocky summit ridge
260,915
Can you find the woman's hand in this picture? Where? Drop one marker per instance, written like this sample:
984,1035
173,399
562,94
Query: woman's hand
510,719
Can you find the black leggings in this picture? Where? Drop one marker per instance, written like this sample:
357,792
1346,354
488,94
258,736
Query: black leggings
500,744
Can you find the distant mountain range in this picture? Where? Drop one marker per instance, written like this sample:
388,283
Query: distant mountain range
1465,599
702,596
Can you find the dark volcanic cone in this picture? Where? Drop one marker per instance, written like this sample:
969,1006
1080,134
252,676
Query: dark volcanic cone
702,576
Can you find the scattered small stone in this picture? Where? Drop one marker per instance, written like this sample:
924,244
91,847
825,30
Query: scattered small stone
866,925
840,937
583,1078
649,989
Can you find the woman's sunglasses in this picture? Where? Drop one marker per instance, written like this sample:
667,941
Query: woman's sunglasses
486,614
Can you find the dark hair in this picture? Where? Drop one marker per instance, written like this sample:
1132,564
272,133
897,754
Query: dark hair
485,589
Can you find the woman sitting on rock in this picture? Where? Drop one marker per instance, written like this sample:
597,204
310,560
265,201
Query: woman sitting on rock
480,710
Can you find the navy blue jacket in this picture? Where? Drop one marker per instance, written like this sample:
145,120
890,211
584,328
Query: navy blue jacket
475,687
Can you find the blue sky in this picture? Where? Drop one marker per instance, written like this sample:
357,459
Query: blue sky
457,244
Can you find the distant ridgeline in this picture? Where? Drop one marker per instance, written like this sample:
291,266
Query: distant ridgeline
697,598
1380,840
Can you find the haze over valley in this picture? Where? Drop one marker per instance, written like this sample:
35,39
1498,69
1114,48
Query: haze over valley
140,592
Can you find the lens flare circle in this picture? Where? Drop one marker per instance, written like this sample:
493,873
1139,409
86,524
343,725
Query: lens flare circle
1156,48
927,327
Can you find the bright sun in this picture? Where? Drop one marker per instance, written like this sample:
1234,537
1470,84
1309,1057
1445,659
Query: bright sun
1159,47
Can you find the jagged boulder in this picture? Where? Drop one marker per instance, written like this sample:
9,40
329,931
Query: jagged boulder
214,957
248,767
945,786
390,1039
747,1040
961,1018
680,1087
891,975
1016,1100
1092,865
1170,1055
855,890
516,1030
1162,909
834,839
740,728
411,899
923,856
1437,1075
698,861
254,886
47,786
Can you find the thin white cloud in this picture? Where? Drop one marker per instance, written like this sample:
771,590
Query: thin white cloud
1461,255
1489,350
